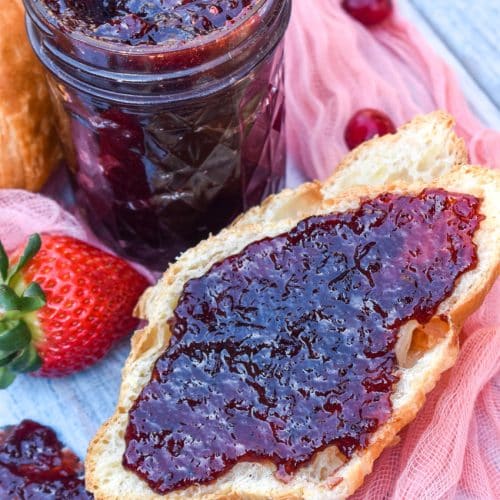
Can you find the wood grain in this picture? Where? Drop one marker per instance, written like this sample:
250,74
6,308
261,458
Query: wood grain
471,31
479,100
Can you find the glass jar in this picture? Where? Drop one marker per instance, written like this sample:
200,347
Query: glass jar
168,143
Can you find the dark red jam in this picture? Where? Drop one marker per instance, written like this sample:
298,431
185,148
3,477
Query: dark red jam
155,183
288,347
173,138
34,465
152,22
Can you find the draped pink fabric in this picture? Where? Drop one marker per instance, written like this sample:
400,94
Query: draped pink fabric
335,66
23,213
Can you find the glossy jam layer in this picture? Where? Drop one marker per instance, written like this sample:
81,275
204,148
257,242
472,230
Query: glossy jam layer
153,22
34,465
288,347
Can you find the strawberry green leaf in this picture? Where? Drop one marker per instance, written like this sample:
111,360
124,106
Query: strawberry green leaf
27,361
14,336
33,298
9,301
6,377
6,357
33,246
4,263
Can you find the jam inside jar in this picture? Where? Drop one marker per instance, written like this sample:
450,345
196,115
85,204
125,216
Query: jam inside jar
171,113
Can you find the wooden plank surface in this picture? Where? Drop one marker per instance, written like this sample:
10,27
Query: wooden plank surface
471,31
480,101
467,37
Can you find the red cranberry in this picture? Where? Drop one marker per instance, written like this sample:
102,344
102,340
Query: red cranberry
368,12
365,124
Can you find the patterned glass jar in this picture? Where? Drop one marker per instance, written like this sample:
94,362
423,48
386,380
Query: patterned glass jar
167,142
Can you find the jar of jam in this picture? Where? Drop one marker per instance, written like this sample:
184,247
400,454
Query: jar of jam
171,113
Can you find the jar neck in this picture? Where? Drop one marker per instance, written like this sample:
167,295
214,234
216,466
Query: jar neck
117,71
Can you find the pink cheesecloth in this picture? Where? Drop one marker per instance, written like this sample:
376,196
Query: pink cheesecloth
334,67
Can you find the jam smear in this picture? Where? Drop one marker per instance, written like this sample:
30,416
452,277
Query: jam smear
153,22
34,465
288,347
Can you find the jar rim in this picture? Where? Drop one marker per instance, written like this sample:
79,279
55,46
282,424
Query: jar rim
35,10
164,76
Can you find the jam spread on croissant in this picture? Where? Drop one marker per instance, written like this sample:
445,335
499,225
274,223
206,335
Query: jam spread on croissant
288,347
34,465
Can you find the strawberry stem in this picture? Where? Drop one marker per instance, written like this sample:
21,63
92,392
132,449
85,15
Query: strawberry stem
32,247
14,336
6,377
17,352
4,263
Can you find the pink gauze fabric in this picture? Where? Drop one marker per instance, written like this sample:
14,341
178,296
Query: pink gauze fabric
23,213
335,66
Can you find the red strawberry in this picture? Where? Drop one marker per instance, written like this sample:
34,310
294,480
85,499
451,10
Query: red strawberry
62,306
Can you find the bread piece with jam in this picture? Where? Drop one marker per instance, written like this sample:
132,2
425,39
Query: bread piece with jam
283,355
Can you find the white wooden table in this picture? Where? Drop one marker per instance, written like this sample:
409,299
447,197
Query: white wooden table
468,37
